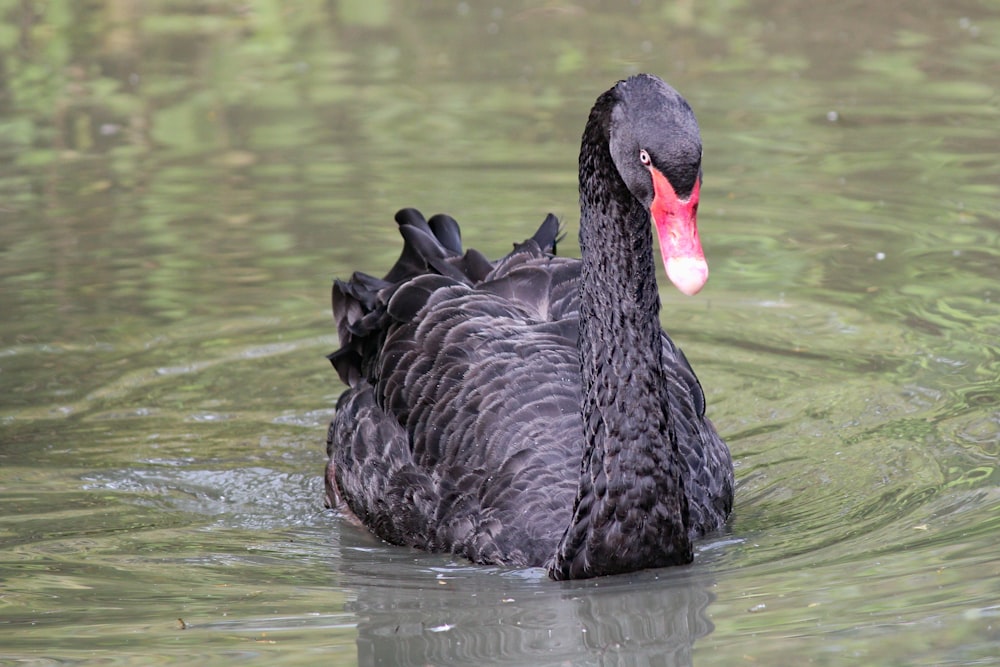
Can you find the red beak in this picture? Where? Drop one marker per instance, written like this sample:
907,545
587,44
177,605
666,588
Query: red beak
676,223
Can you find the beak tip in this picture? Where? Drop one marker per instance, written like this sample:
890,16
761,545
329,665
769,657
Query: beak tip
688,274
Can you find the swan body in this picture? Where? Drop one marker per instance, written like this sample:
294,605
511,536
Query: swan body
530,411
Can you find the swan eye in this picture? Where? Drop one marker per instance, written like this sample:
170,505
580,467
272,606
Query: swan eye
644,158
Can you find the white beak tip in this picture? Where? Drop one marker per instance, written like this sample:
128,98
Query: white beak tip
688,274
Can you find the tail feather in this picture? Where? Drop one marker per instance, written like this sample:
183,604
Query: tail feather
433,248
446,230
548,234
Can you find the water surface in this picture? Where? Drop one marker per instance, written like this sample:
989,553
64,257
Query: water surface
180,181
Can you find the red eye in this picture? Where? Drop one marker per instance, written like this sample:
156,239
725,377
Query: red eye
644,158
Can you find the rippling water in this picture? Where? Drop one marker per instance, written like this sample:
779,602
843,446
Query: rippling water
180,181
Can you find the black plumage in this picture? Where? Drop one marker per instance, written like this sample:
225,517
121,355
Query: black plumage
530,411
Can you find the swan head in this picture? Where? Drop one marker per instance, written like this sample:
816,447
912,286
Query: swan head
655,144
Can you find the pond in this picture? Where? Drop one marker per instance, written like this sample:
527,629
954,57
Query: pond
180,182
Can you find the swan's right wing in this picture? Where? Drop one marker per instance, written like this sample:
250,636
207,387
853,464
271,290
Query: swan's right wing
463,413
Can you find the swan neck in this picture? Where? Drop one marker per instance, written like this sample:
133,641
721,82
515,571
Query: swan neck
631,510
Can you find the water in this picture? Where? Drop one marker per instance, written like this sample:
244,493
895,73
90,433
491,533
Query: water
180,181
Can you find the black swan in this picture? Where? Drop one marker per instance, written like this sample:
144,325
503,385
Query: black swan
530,411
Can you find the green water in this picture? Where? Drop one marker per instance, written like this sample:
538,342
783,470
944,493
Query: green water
180,181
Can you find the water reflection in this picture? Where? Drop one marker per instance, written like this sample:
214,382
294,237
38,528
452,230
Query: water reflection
446,614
